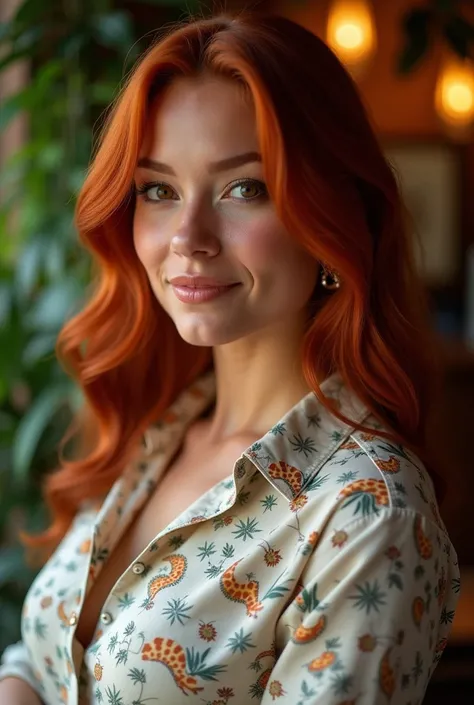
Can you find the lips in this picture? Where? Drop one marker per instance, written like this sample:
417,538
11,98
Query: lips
195,290
195,282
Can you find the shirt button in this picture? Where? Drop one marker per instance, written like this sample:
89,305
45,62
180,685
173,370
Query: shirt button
106,618
138,568
73,619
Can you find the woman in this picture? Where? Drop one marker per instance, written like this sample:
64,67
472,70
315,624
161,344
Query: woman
250,518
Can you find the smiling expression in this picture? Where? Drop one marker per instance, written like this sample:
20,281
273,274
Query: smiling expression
203,210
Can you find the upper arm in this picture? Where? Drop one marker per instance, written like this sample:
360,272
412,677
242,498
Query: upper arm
371,621
16,663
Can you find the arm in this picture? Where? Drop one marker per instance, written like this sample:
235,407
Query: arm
15,691
18,684
371,622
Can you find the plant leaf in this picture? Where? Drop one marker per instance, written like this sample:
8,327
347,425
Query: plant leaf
459,34
33,425
416,26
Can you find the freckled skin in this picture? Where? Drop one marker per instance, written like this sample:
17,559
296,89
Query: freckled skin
197,227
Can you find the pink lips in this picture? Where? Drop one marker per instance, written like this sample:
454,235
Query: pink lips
195,290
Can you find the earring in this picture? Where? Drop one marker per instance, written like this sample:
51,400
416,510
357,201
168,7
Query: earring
330,279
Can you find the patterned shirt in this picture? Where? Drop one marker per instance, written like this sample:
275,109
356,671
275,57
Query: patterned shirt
318,572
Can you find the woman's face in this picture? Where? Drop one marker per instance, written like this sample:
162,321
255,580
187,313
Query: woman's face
206,214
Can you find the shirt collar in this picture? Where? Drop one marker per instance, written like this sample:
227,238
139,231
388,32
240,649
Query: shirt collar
293,451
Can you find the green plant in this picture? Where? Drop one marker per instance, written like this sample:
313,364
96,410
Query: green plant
78,52
436,20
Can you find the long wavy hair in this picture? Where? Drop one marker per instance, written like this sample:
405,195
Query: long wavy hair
336,195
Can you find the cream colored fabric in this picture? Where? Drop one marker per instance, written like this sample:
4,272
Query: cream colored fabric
317,573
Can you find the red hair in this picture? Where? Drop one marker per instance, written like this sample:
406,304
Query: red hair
334,192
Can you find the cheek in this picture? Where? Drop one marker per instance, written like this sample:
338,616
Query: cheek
272,257
148,246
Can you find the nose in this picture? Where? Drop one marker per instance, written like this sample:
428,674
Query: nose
195,234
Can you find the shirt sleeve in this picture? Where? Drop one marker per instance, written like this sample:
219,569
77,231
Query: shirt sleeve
16,662
372,614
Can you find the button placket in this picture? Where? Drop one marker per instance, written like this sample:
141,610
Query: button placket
106,618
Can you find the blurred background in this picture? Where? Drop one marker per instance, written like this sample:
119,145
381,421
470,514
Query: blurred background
61,63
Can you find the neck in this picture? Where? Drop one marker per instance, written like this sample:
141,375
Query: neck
258,380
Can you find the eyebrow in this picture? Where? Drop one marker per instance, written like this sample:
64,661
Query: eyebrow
213,167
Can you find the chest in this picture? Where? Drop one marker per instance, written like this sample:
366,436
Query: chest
191,473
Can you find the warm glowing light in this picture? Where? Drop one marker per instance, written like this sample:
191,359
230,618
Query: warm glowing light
454,96
351,31
350,36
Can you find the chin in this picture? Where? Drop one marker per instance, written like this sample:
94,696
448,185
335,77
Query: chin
202,334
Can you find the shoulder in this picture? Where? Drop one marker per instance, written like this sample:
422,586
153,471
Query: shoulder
368,474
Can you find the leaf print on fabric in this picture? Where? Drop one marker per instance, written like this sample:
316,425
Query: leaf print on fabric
349,572
246,530
160,582
176,610
206,551
40,628
175,542
126,601
257,689
256,664
307,600
368,494
275,590
113,696
369,597
240,642
303,445
246,593
316,482
346,477
269,502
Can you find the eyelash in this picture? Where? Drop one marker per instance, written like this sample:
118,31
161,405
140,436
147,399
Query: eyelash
144,188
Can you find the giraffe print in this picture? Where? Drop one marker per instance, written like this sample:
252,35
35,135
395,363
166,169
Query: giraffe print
288,473
247,593
377,488
350,445
391,465
352,547
160,582
171,655
422,542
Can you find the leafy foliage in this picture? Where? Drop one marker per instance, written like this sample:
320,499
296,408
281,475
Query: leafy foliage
436,19
77,55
